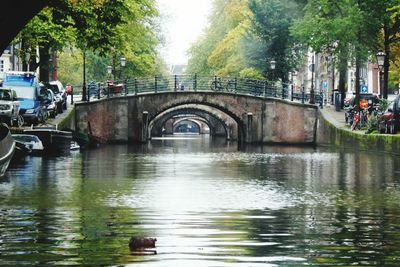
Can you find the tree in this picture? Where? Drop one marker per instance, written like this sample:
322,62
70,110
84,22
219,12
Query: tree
219,50
271,22
343,28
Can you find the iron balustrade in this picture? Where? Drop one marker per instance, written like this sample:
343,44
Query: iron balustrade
196,83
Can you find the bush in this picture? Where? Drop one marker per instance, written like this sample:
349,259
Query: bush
251,73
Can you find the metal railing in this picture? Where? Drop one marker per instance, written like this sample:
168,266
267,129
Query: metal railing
195,83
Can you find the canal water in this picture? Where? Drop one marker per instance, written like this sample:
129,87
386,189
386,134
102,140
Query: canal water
207,202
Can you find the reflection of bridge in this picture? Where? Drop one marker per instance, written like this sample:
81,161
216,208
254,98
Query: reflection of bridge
247,110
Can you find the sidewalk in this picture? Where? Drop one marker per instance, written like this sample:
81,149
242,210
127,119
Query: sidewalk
337,118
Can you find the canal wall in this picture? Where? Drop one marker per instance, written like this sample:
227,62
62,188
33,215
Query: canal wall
341,136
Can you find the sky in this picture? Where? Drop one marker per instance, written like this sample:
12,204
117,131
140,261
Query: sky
183,22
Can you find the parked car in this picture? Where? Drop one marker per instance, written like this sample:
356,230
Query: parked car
396,115
27,88
60,94
49,100
385,121
9,107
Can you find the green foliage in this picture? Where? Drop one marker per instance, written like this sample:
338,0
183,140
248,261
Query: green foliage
271,22
383,105
245,35
70,67
219,50
251,73
104,29
372,124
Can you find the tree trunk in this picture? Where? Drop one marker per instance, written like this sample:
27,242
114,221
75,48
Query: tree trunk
342,68
386,63
44,55
357,80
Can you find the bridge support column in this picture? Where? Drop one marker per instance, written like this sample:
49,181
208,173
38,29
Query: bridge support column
249,127
145,126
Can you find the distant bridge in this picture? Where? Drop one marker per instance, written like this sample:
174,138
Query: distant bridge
247,110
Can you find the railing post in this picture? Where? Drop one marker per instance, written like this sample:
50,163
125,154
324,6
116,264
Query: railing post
98,90
235,85
302,94
176,83
155,84
135,86
126,86
291,92
283,91
321,99
215,83
265,88
195,82
72,95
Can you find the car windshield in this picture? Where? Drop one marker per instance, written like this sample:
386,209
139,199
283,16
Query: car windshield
5,95
53,88
19,80
24,92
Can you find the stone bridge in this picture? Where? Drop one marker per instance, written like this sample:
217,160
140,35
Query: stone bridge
250,119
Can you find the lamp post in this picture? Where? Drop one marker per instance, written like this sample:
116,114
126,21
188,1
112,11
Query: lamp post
109,69
380,58
273,66
84,89
312,97
27,58
292,75
123,64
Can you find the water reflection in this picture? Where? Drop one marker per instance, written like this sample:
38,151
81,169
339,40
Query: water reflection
207,202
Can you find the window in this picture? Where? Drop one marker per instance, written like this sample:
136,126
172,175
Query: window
1,65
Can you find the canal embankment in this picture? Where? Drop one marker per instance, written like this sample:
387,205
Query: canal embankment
333,130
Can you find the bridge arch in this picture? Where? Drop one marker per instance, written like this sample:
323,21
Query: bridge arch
199,121
215,119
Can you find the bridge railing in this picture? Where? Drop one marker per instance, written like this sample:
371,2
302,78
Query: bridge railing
175,83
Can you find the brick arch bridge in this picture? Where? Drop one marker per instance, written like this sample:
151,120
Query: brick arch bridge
259,120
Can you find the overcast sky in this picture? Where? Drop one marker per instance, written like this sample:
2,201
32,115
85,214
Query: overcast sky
183,22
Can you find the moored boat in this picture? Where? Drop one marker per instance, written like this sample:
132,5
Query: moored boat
7,148
53,140
31,141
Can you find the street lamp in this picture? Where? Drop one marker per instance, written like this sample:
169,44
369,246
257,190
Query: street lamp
123,61
123,64
27,58
380,58
312,97
109,69
273,66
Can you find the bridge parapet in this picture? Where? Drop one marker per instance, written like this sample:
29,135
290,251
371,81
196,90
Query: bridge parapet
196,83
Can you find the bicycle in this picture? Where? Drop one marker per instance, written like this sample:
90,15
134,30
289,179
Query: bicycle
360,119
216,85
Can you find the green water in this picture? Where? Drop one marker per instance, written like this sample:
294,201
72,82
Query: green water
207,203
